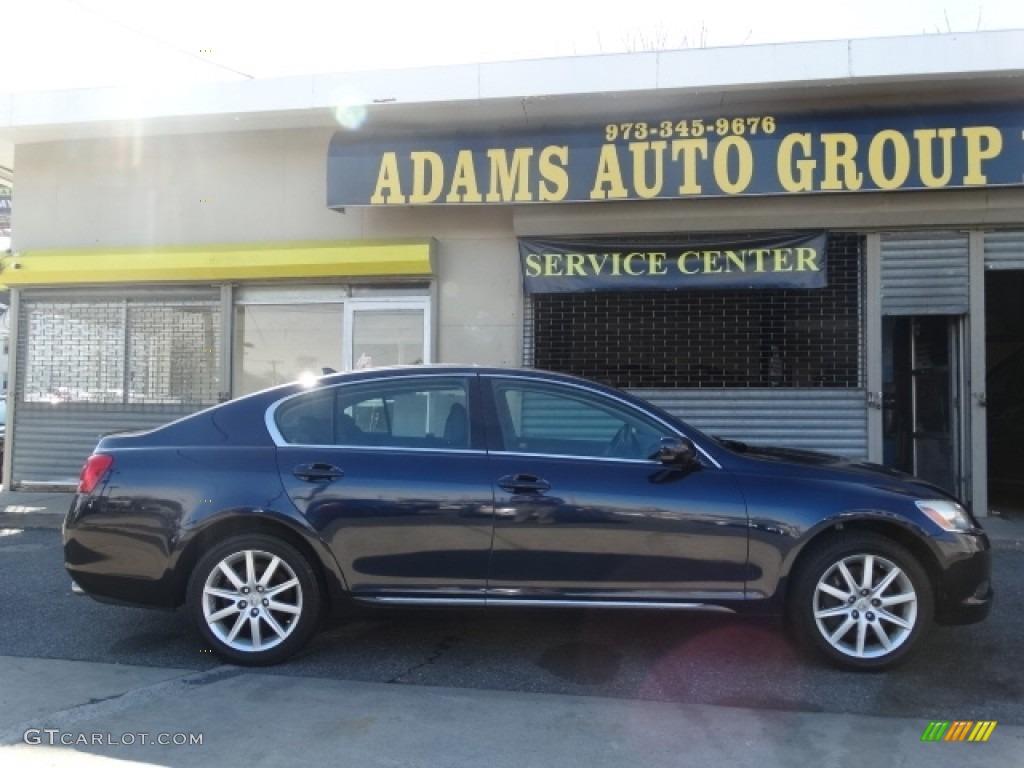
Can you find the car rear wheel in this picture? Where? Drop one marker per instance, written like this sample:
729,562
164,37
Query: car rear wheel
254,599
862,601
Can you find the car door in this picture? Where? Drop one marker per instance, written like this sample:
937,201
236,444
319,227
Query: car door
582,513
393,474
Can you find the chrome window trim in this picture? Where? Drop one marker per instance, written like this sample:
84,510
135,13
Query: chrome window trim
615,459
385,448
622,401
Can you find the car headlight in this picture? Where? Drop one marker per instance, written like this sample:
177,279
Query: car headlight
948,515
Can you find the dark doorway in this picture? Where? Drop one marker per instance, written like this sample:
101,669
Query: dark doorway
921,387
1004,389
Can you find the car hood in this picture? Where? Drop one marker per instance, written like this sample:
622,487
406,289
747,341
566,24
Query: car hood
806,463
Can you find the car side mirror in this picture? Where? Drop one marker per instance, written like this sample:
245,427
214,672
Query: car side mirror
676,452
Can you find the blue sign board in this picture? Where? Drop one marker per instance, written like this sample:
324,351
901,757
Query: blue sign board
672,157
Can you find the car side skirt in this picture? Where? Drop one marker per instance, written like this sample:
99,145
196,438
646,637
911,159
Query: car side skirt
543,603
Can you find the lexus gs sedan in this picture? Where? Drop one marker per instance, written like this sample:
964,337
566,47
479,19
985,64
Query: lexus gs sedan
469,486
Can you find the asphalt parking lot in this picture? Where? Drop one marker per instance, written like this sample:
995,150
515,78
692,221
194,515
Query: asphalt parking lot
679,657
94,664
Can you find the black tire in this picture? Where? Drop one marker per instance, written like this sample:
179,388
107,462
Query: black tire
831,615
268,572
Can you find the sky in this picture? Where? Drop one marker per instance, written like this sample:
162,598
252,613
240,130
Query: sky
68,44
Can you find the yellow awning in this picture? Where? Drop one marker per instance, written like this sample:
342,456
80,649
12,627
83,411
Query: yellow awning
207,263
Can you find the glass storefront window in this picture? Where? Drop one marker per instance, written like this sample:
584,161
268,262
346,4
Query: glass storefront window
275,344
282,336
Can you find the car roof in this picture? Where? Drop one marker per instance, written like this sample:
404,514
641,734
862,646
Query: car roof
454,369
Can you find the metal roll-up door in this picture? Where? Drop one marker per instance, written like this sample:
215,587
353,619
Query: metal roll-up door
925,274
827,420
53,441
95,362
1004,250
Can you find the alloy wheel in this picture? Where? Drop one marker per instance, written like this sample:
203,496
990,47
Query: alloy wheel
865,606
252,600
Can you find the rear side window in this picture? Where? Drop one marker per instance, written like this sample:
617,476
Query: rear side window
397,413
308,419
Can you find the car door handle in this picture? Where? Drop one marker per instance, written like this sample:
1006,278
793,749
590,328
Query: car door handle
317,472
523,484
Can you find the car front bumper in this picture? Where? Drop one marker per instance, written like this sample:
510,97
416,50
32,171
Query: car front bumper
965,590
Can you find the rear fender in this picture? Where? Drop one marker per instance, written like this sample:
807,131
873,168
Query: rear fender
214,528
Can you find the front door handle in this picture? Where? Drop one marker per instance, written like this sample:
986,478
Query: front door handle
524,484
317,472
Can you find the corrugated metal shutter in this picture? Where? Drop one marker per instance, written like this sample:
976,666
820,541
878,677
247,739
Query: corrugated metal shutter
1004,250
925,273
54,440
91,362
828,420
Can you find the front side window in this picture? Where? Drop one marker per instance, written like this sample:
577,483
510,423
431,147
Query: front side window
396,413
541,418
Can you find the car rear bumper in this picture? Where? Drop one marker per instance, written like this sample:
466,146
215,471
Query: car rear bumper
116,558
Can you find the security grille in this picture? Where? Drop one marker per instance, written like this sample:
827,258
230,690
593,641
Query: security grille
750,338
121,351
91,363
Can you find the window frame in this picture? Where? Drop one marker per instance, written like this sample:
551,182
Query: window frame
344,297
379,304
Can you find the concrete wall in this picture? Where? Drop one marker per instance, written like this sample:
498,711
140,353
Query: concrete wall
264,186
171,190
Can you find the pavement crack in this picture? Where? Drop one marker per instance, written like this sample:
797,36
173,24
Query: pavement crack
101,708
441,647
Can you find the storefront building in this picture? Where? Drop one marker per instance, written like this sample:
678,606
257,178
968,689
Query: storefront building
815,245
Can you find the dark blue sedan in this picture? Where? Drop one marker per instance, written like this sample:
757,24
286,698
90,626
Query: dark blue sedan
472,486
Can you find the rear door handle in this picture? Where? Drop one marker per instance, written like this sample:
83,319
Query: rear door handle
318,472
523,484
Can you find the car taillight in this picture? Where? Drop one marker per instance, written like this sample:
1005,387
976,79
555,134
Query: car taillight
95,467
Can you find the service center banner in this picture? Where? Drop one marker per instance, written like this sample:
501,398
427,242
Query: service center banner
664,262
673,156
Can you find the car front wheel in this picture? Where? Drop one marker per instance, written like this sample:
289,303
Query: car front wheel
862,601
254,599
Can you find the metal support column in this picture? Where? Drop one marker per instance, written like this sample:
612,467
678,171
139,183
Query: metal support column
977,441
873,345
